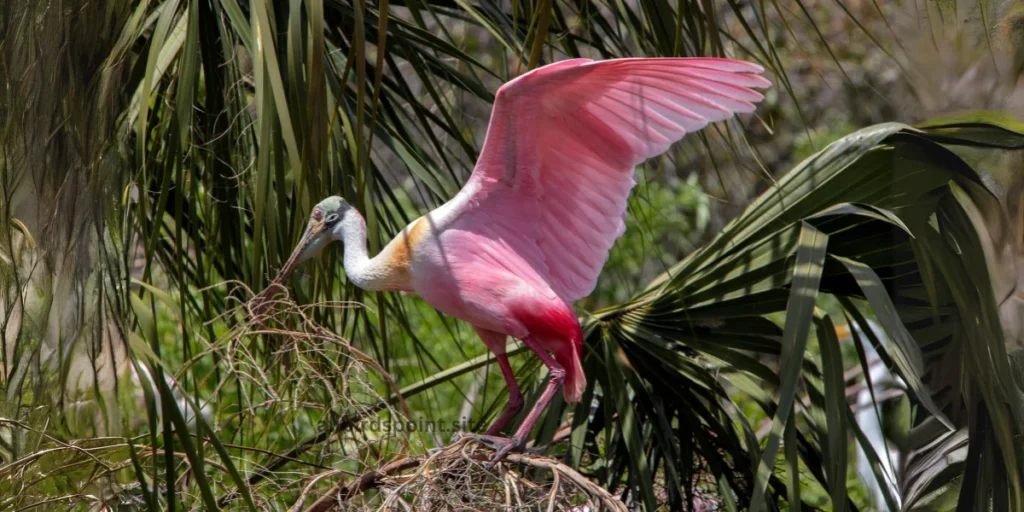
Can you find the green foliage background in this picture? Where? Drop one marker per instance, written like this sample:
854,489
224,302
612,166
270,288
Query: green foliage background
159,159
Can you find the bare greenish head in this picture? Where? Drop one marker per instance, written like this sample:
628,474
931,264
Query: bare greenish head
320,231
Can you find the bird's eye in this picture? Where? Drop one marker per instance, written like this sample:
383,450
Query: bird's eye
317,214
332,217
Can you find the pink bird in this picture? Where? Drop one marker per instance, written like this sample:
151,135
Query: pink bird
529,232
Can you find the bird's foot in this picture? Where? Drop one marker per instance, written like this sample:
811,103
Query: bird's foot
456,437
536,450
501,446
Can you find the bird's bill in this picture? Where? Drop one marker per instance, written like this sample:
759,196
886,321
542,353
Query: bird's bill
309,244
302,251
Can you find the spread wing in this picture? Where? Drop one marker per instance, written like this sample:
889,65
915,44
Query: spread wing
556,169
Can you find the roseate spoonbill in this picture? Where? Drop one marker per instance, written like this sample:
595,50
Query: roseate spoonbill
529,232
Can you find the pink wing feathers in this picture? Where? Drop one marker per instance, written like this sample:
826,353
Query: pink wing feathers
556,169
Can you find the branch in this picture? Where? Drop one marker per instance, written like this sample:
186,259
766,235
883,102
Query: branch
369,480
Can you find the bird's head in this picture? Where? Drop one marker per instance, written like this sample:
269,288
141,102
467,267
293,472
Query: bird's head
320,231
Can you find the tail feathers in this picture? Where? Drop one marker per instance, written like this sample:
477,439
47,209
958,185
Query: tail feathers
575,381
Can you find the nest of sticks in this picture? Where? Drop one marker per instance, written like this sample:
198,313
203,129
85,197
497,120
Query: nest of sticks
455,478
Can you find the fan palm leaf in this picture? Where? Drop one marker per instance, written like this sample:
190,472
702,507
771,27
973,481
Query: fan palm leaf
877,220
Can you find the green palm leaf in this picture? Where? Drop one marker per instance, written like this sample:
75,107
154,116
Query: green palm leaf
870,196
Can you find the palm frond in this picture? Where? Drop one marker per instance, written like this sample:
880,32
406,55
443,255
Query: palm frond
876,221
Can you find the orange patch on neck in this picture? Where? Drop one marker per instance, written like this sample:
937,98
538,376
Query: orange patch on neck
417,230
397,255
407,241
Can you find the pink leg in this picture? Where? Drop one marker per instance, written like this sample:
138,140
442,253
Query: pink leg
515,397
495,341
557,376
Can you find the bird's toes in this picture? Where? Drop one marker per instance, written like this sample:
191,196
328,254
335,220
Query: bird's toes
502,451
456,437
501,446
536,450
492,442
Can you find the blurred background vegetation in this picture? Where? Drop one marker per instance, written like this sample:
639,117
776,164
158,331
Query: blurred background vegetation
159,158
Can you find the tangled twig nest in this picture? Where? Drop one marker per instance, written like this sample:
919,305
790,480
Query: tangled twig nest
454,478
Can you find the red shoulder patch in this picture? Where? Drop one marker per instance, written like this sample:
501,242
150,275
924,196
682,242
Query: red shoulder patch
557,329
552,323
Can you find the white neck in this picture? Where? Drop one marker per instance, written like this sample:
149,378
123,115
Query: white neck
367,273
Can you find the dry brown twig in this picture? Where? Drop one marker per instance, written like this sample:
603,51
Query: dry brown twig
454,479
280,338
260,306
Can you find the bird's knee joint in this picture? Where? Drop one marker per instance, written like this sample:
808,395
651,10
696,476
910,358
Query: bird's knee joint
516,402
558,374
